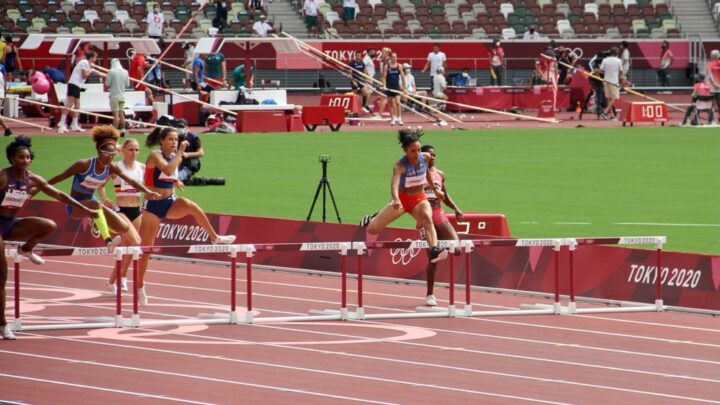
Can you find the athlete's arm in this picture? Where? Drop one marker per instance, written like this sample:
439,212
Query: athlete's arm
40,184
115,170
449,201
77,167
428,177
395,184
168,168
103,196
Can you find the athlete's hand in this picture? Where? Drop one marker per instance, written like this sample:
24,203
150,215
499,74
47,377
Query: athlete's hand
182,147
108,203
153,195
396,204
180,185
440,195
458,216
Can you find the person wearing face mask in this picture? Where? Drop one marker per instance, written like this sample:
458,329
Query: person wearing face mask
462,79
155,21
666,60
531,34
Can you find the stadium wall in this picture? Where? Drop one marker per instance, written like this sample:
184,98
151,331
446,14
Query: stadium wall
607,273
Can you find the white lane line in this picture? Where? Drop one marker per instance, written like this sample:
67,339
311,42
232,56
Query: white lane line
668,224
98,388
573,223
588,331
274,365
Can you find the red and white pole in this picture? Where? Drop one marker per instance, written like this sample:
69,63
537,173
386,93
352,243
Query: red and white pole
16,268
118,287
360,251
136,280
249,251
556,248
658,279
572,245
233,286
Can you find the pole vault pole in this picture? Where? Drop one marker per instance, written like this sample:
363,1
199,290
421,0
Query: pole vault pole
378,83
24,100
170,65
509,114
233,113
178,36
42,127
628,89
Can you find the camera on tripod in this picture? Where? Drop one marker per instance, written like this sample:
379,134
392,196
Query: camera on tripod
324,185
205,181
324,158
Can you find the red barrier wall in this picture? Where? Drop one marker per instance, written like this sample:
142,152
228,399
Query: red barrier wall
689,280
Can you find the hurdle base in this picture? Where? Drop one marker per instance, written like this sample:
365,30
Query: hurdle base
232,317
117,320
435,309
660,305
343,313
17,325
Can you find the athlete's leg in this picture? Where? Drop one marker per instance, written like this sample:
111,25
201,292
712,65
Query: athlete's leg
386,215
183,207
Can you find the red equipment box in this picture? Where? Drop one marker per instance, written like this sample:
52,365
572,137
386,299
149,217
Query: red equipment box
315,115
261,121
350,102
637,111
475,223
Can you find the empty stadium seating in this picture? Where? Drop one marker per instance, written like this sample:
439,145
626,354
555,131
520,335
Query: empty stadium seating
386,18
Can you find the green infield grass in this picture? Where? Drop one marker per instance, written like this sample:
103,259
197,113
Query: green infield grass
548,182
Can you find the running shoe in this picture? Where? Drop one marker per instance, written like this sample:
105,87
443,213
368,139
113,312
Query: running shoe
437,254
367,109
142,296
62,128
399,122
112,287
430,301
224,239
112,243
123,284
8,132
31,255
76,128
7,333
365,221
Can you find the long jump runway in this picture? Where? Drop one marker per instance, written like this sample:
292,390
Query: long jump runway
641,358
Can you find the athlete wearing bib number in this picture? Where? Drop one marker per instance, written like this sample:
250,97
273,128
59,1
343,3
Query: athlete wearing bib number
90,175
161,176
17,185
443,227
128,199
410,174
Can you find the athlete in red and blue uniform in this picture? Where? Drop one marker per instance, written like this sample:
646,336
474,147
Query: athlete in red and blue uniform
161,176
407,189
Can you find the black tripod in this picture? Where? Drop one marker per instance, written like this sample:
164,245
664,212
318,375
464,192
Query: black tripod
325,186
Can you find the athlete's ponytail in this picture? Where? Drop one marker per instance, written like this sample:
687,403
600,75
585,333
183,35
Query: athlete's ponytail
157,135
408,136
21,142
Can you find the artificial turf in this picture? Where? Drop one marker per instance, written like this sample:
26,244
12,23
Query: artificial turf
548,182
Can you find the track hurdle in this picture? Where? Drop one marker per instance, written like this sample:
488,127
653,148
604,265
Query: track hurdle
658,241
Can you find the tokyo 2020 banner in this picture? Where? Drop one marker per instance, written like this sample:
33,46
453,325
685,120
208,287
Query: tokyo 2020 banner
603,272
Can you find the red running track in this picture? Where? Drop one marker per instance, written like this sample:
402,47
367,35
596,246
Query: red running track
658,358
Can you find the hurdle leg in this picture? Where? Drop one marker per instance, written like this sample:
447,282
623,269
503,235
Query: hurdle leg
343,286
233,315
468,303
360,311
572,306
248,286
451,298
557,306
118,288
17,323
135,322
658,277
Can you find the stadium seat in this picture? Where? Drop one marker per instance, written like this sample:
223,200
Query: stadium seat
563,25
479,33
506,9
38,23
591,8
563,8
77,30
110,6
14,15
91,16
508,33
479,8
131,25
122,16
63,30
669,25
627,3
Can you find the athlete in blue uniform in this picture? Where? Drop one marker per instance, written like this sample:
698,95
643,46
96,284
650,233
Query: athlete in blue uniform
91,174
359,78
394,83
407,191
16,183
161,176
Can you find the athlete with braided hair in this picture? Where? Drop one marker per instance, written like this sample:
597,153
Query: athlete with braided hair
17,185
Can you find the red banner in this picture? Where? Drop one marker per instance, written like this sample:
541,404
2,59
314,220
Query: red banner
689,280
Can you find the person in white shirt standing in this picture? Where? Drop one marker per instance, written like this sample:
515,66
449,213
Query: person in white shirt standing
612,68
155,21
625,58
261,27
310,10
117,81
349,7
436,59
83,69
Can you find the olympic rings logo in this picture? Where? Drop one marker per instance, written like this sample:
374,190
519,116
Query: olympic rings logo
577,53
403,255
